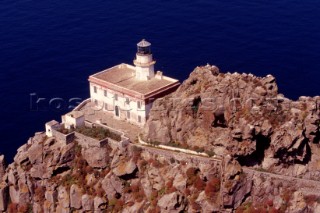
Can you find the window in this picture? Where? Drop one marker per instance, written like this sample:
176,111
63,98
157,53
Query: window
94,89
105,93
139,118
139,104
127,100
128,115
116,97
105,106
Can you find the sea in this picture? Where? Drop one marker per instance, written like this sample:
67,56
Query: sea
49,48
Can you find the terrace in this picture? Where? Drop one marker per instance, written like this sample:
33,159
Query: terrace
94,115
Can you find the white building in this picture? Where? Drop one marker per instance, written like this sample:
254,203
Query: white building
128,91
73,119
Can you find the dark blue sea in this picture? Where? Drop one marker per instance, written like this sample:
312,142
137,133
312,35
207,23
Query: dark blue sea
49,48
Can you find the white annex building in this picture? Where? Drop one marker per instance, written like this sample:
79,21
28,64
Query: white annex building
128,91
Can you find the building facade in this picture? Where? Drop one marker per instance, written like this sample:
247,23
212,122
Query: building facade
128,91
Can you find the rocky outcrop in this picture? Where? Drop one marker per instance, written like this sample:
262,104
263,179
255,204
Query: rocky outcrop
264,147
239,115
173,202
2,166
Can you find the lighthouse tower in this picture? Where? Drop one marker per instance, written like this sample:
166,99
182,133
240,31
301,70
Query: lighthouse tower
144,62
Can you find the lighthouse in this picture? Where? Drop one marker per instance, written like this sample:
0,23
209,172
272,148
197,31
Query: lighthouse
128,91
144,63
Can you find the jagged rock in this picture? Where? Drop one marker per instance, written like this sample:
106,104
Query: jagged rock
173,202
21,155
147,187
40,171
67,153
75,197
180,182
87,202
111,185
96,157
3,196
297,203
63,198
237,134
156,179
36,208
61,209
12,177
99,204
35,153
51,196
48,207
24,194
232,168
2,166
239,117
206,204
237,193
125,168
136,207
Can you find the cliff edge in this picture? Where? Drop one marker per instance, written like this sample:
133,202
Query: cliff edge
243,116
257,152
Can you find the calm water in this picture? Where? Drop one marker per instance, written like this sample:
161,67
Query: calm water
51,47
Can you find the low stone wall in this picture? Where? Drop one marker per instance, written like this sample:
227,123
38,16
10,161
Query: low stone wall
87,142
180,156
82,104
68,138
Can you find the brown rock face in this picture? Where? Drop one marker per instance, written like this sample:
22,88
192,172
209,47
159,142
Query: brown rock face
265,157
2,166
241,115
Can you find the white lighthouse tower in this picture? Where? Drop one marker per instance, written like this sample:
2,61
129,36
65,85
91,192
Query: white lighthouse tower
144,62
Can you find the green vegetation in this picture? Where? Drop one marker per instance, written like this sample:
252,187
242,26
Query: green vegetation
99,133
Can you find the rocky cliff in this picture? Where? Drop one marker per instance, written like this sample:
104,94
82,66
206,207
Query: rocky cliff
265,151
241,115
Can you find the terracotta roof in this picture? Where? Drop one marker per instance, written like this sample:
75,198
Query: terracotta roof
123,76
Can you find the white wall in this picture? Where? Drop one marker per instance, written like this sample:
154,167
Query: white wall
101,99
144,72
71,121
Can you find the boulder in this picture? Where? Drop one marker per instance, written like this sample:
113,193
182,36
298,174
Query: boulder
99,204
14,194
67,153
3,197
180,182
125,168
2,166
75,196
63,197
87,202
51,196
96,157
173,202
111,185
35,153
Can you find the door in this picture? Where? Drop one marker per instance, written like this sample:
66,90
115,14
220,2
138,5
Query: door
117,111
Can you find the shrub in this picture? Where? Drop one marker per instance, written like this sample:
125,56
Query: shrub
25,208
199,184
12,208
210,153
98,133
311,199
191,172
212,187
